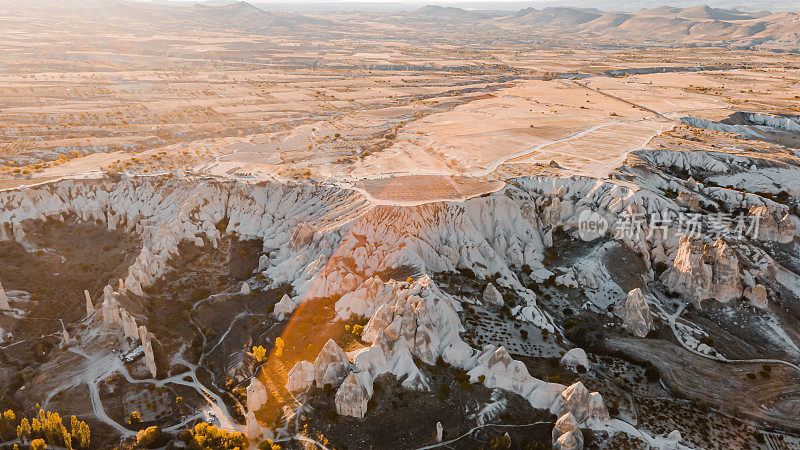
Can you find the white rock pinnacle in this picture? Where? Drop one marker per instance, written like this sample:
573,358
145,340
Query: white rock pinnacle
635,312
492,296
89,304
4,306
256,395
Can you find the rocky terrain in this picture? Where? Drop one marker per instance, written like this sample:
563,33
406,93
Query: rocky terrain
382,300
277,236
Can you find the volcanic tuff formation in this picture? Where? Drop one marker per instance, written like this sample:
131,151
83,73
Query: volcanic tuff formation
330,242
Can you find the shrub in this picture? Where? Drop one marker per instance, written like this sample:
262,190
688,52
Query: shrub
204,436
269,445
148,437
259,353
333,416
135,418
652,374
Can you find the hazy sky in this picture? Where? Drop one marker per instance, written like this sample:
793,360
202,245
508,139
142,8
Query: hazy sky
511,5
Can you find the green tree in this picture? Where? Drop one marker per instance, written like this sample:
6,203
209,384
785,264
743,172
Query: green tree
135,418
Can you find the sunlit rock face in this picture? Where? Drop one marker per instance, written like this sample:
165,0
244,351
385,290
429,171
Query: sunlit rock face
256,395
4,305
352,396
702,270
567,433
331,366
635,313
575,358
756,296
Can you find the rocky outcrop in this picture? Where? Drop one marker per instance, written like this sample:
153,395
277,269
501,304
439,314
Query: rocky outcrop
301,376
331,365
252,428
89,304
726,279
756,296
245,290
574,359
688,200
575,400
4,306
598,412
566,434
701,270
147,347
129,325
769,229
284,307
256,395
353,395
491,296
635,313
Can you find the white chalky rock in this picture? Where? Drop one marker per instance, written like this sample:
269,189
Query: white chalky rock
365,300
702,270
111,312
726,280
571,440
491,296
331,365
245,290
635,313
786,229
567,433
301,376
4,306
689,274
575,358
587,280
89,304
147,346
501,371
284,307
575,400
688,200
767,225
256,395
439,432
598,413
129,325
756,296
352,397
252,428
675,436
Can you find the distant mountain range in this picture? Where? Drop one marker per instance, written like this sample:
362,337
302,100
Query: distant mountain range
695,25
700,25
